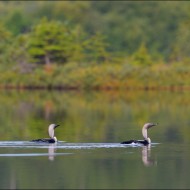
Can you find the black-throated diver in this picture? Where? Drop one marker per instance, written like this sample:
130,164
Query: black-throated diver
146,140
52,138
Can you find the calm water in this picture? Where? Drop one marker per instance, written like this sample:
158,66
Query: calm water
89,154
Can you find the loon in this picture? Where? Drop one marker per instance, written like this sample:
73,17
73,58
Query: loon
52,138
146,140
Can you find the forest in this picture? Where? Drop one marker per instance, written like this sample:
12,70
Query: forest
95,44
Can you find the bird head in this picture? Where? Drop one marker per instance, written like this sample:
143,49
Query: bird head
146,127
149,125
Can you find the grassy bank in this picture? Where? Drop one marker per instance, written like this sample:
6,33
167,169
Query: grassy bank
99,76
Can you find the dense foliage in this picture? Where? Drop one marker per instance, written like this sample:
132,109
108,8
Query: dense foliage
94,44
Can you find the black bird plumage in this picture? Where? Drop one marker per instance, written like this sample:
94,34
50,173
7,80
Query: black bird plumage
52,138
146,140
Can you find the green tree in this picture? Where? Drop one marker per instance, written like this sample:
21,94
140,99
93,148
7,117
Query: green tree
181,47
5,41
50,41
96,48
17,22
17,54
141,56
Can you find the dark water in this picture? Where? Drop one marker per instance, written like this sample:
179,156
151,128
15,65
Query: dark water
89,154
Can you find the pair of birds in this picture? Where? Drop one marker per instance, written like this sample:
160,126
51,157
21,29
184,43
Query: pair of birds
145,128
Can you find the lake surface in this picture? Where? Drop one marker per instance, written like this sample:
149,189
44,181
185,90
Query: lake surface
89,154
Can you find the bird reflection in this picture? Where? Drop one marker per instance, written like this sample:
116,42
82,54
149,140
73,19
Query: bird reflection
51,151
146,156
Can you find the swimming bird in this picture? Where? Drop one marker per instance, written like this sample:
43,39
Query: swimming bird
52,138
146,140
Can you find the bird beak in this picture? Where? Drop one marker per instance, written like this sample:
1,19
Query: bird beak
56,126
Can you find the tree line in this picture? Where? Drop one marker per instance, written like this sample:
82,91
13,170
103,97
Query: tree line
127,33
162,26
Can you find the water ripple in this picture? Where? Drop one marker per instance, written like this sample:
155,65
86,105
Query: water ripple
64,145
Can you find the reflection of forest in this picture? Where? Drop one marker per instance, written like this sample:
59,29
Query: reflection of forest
94,116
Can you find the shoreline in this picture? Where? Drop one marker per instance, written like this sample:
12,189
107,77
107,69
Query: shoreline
97,88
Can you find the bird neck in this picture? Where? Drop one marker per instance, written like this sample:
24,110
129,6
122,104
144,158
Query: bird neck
144,132
55,139
148,140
